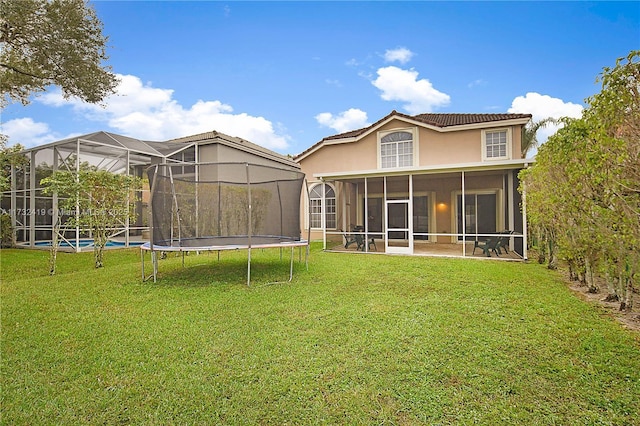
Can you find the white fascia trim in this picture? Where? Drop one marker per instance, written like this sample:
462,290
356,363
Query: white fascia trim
494,165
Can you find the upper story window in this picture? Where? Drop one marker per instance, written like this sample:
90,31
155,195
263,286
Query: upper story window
396,150
496,144
316,207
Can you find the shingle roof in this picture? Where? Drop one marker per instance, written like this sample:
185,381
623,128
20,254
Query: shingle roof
441,120
438,120
446,120
236,142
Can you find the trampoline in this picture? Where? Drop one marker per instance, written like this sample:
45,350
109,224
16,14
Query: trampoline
223,206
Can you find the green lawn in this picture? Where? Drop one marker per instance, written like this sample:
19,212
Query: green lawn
356,339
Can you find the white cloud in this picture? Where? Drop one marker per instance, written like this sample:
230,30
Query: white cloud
27,132
351,119
544,106
400,54
142,111
402,85
476,83
353,62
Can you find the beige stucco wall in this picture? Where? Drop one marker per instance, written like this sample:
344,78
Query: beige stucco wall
434,149
216,152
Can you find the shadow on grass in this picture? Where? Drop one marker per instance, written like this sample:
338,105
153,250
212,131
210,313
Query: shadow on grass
207,270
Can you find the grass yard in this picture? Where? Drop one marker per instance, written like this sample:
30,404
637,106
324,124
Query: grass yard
354,340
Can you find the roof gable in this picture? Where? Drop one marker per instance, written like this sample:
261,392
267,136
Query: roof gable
435,121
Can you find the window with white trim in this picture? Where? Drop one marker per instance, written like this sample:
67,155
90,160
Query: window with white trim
396,150
496,144
315,206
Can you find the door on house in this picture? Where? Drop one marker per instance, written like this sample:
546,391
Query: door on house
479,215
399,227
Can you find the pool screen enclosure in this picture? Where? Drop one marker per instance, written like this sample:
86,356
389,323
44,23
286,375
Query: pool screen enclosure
223,206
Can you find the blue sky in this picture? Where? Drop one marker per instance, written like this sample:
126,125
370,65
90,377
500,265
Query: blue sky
286,74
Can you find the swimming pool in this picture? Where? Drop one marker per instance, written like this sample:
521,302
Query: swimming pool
87,242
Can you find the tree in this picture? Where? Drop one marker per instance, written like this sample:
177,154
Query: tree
56,42
615,113
97,201
9,157
530,134
584,188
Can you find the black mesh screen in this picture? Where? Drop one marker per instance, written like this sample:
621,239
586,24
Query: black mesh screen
224,203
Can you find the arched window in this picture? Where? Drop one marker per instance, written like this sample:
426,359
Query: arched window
315,206
396,150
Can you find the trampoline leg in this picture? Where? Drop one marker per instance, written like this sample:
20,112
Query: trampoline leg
291,265
249,267
154,261
142,259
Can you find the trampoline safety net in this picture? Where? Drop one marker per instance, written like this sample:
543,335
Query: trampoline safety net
218,204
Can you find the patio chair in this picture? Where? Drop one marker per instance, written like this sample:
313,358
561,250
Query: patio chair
357,230
356,236
372,242
503,241
487,246
350,238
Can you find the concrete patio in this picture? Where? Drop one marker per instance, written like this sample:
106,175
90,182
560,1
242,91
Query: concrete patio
429,249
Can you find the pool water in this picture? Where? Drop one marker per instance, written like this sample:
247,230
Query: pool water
85,242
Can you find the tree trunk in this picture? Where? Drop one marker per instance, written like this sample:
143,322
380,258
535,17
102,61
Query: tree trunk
53,251
53,254
589,276
99,241
553,259
627,303
97,255
542,248
573,270
612,288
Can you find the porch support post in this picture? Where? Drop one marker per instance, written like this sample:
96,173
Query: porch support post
366,216
323,216
464,220
511,207
410,213
385,214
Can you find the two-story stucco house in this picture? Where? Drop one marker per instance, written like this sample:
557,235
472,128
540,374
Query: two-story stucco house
418,184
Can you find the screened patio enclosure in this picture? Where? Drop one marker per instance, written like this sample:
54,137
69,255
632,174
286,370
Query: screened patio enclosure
437,212
33,212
